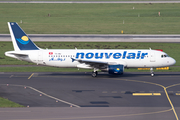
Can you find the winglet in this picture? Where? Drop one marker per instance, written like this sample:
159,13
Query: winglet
19,38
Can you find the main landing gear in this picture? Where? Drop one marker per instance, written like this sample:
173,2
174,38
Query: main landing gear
94,73
152,72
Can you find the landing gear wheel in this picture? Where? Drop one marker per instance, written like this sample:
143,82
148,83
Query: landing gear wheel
94,74
152,72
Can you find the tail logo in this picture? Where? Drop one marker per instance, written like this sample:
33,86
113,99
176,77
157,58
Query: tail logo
23,40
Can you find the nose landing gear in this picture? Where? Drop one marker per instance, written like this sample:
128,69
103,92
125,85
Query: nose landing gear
152,72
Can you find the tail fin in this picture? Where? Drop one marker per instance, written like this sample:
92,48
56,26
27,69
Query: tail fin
19,38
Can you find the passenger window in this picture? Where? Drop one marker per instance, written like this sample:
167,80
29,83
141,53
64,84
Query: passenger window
161,56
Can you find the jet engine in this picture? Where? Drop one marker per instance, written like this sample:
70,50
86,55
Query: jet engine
114,69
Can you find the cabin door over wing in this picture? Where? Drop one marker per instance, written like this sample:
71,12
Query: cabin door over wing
152,57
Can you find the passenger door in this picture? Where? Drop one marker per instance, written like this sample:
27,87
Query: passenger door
152,57
40,57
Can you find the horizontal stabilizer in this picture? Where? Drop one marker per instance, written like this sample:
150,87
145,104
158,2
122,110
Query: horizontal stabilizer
20,55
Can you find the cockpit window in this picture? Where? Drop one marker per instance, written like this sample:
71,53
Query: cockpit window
163,56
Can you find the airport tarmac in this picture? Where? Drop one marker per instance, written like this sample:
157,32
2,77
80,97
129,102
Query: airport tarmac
77,95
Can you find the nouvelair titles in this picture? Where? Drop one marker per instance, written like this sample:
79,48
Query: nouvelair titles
117,55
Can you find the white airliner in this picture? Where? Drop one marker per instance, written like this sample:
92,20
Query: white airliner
112,61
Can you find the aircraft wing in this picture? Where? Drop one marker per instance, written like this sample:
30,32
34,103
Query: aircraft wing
92,63
96,64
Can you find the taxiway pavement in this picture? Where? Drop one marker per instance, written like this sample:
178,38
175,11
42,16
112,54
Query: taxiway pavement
77,96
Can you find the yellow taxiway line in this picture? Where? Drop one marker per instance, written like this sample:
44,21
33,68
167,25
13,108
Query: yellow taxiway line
30,76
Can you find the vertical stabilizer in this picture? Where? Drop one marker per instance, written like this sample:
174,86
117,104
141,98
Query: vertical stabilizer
19,38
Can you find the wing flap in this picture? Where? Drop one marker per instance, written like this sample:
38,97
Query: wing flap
92,62
96,64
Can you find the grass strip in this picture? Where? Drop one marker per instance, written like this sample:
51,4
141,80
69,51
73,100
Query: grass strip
41,69
6,103
92,18
53,69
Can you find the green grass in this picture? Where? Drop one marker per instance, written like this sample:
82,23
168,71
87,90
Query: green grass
53,69
172,49
7,103
41,69
92,18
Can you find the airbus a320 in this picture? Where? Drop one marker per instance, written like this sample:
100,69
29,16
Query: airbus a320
112,61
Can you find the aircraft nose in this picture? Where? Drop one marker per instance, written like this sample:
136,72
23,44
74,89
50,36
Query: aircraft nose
173,61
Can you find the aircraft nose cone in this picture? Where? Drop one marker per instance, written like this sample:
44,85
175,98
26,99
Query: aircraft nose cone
173,61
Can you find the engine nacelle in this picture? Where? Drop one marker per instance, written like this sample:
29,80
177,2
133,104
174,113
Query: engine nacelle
114,69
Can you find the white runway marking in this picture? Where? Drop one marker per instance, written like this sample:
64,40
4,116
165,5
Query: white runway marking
71,104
